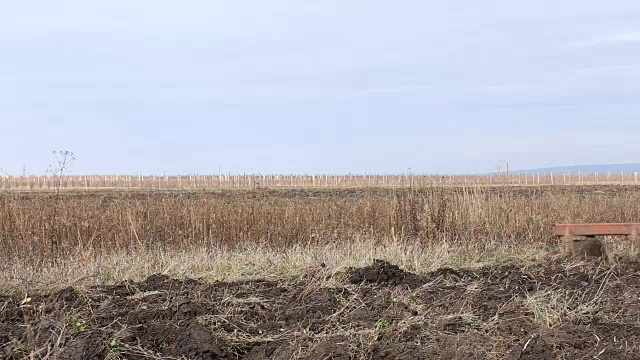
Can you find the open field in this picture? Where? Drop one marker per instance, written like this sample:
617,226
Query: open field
290,273
40,229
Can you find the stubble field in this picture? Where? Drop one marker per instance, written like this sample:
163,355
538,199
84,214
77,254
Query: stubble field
434,272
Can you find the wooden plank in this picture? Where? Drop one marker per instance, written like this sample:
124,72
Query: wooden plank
596,229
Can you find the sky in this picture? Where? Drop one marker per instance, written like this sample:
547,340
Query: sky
332,86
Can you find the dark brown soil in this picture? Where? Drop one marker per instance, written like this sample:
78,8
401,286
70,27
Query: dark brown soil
384,273
554,310
340,193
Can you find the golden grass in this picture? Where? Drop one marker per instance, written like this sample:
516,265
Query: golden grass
49,240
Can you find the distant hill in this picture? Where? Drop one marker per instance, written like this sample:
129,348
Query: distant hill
596,168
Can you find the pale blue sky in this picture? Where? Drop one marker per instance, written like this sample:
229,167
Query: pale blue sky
269,86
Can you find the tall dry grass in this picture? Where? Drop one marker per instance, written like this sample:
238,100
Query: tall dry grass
49,240
39,228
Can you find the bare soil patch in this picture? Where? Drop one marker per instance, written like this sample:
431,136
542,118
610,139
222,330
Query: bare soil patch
544,311
319,193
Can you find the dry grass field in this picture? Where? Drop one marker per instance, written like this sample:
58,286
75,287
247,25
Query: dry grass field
466,272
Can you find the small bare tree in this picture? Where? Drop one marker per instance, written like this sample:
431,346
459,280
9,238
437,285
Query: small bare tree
64,160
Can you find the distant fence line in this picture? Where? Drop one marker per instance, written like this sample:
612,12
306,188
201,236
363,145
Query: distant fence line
252,181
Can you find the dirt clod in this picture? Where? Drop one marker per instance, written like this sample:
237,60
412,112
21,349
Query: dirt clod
384,273
197,342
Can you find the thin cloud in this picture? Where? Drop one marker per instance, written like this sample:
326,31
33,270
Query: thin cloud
615,39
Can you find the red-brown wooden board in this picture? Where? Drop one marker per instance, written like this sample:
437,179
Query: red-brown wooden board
596,229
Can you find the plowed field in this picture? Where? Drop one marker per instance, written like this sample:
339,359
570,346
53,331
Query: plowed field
550,310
